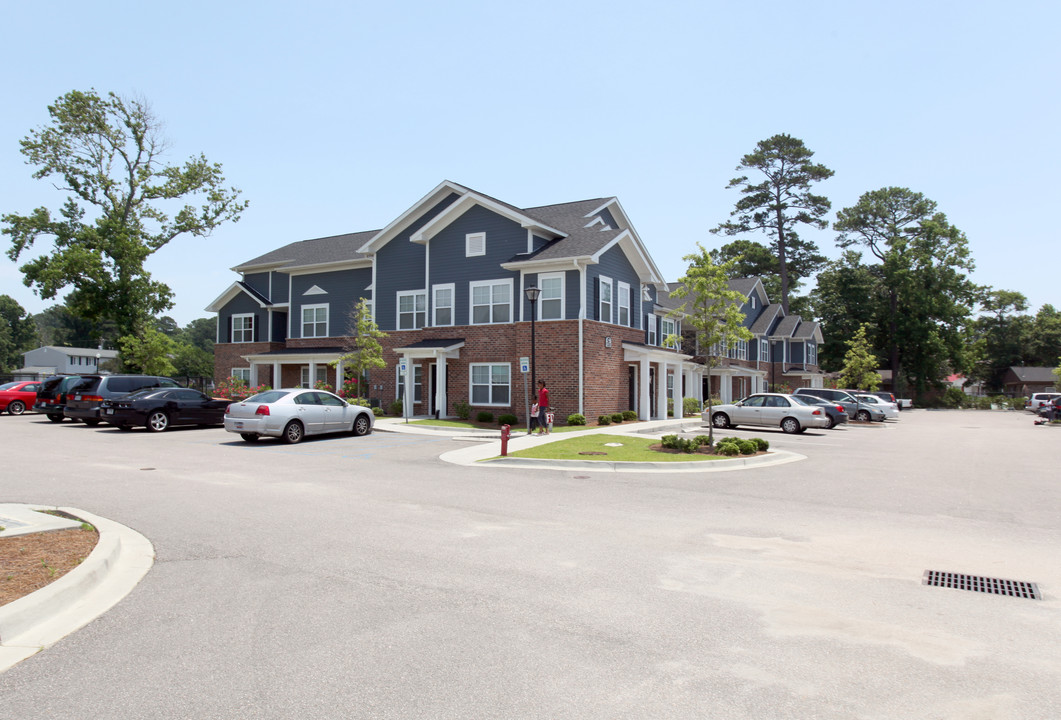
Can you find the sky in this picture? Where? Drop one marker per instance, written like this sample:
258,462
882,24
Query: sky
337,117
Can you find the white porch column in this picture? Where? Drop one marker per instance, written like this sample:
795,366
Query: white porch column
277,380
312,373
407,397
254,374
661,391
644,401
338,376
440,386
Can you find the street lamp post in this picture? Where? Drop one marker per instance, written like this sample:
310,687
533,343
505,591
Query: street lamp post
532,295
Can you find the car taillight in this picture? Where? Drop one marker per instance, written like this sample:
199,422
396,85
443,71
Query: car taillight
92,398
262,410
816,412
228,409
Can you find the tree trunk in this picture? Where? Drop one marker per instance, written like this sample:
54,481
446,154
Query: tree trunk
782,261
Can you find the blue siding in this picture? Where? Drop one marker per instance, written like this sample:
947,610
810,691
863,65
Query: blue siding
258,281
400,266
450,264
607,217
617,268
795,352
242,304
280,287
343,287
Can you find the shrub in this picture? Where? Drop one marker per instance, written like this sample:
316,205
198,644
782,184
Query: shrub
748,447
629,415
357,401
762,443
377,411
604,420
321,385
953,397
463,410
670,442
702,440
576,419
670,407
485,416
733,440
507,419
727,448
395,408
691,406
617,418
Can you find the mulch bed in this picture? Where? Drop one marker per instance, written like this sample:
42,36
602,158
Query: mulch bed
29,562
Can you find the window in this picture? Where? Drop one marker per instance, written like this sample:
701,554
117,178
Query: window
491,302
474,244
742,349
812,354
764,350
490,384
753,302
321,375
314,321
667,327
243,374
551,301
412,310
443,305
418,381
242,328
605,310
624,304
651,329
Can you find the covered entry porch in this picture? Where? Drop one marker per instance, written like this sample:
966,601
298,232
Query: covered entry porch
659,375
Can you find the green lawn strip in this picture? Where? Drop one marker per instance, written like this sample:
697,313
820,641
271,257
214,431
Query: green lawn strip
634,449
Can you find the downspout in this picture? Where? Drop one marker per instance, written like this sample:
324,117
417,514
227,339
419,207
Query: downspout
581,351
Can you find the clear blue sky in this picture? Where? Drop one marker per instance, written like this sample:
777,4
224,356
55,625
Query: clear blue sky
336,117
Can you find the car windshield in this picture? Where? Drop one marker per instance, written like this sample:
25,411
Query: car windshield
807,400
268,396
8,386
146,392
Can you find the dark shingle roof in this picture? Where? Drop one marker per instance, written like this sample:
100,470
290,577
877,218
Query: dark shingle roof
335,248
805,330
1033,374
766,318
786,327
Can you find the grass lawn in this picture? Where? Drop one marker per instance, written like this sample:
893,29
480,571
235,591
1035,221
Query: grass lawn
633,449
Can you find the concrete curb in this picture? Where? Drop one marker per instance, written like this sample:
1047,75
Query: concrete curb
120,560
776,457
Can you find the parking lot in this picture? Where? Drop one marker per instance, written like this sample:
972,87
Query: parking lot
365,577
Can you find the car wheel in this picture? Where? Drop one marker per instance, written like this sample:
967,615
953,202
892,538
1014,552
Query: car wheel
863,416
790,425
125,428
720,420
157,421
829,422
249,437
17,407
293,432
360,426
55,418
91,422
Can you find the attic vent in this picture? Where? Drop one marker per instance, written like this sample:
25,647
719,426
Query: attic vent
993,586
599,221
474,244
315,290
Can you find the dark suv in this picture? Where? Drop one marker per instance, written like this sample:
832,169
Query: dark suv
83,400
51,398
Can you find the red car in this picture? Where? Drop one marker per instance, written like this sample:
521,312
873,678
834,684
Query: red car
15,397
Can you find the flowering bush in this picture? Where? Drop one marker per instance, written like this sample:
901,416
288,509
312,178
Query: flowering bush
235,388
351,388
321,385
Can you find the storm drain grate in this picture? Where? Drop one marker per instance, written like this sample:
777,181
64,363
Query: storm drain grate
994,586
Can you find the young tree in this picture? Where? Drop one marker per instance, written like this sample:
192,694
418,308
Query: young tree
711,309
923,269
781,202
362,350
106,153
149,353
17,334
860,364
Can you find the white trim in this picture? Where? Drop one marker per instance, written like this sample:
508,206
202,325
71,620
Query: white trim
624,286
452,304
398,308
316,290
475,244
224,298
384,236
652,336
472,285
314,322
603,280
472,384
467,201
562,277
241,370
232,327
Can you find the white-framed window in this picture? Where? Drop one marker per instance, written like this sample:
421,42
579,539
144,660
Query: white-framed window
315,321
753,302
243,328
491,302
624,304
321,374
418,382
651,329
742,349
243,374
764,350
667,327
551,301
812,353
606,300
442,307
490,384
474,244
412,309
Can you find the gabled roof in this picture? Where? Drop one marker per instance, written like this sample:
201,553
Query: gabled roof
78,351
786,327
319,251
745,286
766,318
808,331
233,290
1033,374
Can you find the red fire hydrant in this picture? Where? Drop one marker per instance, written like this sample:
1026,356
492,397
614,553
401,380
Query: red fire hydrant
504,439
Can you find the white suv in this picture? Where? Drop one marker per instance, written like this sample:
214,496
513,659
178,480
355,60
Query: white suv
1038,400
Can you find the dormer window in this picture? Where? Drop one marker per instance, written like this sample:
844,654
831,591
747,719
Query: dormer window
474,244
753,302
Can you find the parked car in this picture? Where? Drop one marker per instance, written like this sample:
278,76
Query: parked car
51,398
159,408
16,396
84,399
890,409
293,413
1039,400
836,413
768,410
859,411
1051,410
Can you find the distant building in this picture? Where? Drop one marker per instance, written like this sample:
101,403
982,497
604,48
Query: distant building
1021,381
53,360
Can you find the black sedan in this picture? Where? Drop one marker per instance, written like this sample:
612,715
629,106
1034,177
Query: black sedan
834,411
158,408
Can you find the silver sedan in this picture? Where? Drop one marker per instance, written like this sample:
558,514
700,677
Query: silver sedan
768,410
293,413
